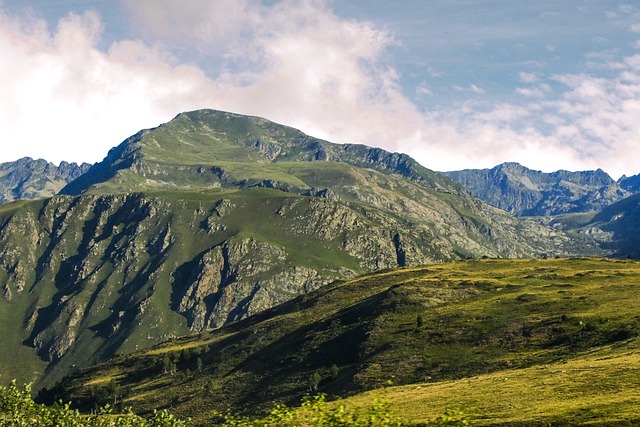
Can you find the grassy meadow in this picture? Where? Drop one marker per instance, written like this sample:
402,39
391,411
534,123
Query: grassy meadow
513,342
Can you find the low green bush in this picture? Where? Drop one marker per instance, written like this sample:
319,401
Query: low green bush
17,409
316,412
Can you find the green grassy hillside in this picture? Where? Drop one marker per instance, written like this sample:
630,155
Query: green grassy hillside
213,217
516,342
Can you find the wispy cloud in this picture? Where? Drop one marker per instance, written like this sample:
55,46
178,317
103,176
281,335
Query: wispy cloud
471,88
530,92
529,77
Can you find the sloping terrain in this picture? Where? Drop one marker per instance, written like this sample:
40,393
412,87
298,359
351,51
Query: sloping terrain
35,179
526,192
517,342
615,228
213,217
598,388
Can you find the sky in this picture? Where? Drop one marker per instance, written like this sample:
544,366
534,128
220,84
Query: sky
455,84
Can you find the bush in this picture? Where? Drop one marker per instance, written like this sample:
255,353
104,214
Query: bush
17,409
315,412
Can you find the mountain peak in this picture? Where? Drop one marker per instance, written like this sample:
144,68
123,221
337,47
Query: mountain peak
511,166
211,148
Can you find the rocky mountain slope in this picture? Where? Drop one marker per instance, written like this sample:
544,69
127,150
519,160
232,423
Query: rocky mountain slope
213,217
35,179
615,228
526,192
521,342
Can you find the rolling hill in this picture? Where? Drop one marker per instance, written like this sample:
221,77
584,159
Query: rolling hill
515,342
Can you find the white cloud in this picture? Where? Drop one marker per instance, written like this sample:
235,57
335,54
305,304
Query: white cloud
422,91
529,92
477,89
434,72
529,77
471,88
310,69
297,63
63,99
626,8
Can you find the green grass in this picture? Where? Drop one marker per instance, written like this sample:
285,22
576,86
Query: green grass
490,331
597,387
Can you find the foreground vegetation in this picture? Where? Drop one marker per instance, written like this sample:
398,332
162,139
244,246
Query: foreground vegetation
515,342
17,408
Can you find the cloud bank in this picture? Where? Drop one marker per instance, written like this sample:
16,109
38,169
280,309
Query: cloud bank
297,63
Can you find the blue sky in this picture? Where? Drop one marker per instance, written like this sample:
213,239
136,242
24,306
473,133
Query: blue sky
454,83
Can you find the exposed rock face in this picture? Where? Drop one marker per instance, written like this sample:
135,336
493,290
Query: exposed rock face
630,183
97,272
237,279
526,192
35,179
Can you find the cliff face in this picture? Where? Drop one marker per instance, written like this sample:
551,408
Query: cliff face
526,192
35,179
214,217
91,276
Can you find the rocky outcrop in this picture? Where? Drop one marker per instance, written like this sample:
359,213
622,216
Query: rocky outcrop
630,183
236,279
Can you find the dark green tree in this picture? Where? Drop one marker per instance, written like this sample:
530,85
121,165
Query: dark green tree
333,370
313,381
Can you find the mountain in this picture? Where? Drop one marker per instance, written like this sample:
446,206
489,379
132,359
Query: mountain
630,183
526,192
35,179
213,217
514,342
616,227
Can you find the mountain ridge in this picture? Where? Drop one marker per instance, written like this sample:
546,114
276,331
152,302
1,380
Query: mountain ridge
250,138
526,192
27,178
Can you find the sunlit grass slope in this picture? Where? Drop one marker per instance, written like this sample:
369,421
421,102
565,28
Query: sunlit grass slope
599,387
516,342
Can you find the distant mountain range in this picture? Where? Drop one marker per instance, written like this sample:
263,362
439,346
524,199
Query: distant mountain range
35,179
587,203
526,192
509,186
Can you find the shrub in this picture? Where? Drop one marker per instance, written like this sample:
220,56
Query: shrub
18,409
